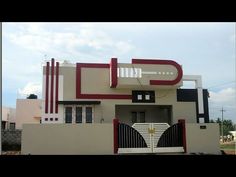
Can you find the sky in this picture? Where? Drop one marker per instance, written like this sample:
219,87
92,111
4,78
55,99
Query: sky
206,49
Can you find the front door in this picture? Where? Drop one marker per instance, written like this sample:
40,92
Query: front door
79,114
138,117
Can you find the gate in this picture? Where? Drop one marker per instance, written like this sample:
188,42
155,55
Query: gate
149,137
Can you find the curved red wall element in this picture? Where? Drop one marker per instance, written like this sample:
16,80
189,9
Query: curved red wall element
162,62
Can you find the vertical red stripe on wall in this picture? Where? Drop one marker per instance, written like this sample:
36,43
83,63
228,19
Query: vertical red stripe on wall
115,128
113,66
57,80
78,80
182,122
52,83
47,82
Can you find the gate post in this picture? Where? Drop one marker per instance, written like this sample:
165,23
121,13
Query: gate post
115,133
182,123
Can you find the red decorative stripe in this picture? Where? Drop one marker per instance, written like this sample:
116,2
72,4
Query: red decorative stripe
57,77
115,133
113,70
162,62
52,83
47,89
182,121
94,96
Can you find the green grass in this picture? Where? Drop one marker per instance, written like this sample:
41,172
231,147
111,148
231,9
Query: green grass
227,146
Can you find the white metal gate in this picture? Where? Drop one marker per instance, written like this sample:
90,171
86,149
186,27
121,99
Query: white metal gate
151,132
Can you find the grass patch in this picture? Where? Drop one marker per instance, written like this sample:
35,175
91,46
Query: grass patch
227,146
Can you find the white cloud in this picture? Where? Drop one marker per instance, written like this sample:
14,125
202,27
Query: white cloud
31,88
225,96
87,39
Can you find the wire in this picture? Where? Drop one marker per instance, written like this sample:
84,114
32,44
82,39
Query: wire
221,84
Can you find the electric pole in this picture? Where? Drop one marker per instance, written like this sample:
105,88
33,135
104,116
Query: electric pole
222,124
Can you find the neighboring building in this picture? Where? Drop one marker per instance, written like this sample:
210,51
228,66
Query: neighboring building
234,135
8,118
28,111
142,91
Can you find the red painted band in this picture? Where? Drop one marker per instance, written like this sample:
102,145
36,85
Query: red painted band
113,70
52,83
182,122
47,83
162,62
57,81
115,133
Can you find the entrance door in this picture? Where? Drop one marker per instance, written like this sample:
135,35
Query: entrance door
79,114
138,117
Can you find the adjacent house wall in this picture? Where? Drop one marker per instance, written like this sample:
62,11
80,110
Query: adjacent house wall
203,140
28,111
8,115
67,139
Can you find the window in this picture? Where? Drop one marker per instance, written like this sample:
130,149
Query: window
78,115
68,113
56,119
88,114
12,126
46,119
3,125
141,117
134,117
147,97
139,97
51,119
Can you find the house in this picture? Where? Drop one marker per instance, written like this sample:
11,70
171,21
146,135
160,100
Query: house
136,107
28,111
8,118
145,90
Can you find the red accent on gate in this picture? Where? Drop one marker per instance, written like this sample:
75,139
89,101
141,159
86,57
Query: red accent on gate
113,70
57,80
162,62
182,122
52,84
94,96
115,128
47,82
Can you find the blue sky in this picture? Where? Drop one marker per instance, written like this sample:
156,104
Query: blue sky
206,49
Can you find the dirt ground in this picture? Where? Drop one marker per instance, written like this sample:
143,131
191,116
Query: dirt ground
228,147
11,153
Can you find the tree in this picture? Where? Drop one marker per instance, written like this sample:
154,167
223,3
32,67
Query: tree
227,126
32,96
212,121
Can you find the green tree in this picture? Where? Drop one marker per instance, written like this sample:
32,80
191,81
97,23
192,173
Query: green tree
212,121
227,126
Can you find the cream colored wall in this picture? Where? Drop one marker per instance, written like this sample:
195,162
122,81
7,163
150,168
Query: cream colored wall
5,112
203,140
69,79
26,110
67,139
97,81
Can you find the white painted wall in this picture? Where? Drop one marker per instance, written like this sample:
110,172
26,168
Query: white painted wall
203,140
